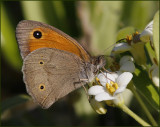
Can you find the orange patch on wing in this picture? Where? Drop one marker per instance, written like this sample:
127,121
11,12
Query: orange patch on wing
52,39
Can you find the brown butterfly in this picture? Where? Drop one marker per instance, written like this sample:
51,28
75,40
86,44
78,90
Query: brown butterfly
54,64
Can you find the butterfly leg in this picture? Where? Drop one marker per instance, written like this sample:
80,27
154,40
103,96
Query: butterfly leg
85,80
107,70
82,84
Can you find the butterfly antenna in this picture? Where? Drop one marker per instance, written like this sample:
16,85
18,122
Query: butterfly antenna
114,44
109,47
106,76
121,40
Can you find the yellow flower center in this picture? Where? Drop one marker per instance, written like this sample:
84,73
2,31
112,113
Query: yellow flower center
111,87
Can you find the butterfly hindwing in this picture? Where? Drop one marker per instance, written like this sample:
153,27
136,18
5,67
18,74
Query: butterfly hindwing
50,74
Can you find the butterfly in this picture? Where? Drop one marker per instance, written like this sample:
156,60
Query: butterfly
54,64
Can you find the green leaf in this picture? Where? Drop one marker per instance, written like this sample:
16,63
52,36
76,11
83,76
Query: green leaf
141,13
12,102
138,53
32,10
51,12
9,44
156,34
100,23
60,15
145,87
151,53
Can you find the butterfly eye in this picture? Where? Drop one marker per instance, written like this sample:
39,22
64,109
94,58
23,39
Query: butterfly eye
37,34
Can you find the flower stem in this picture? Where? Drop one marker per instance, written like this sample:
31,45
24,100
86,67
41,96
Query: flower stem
150,117
133,115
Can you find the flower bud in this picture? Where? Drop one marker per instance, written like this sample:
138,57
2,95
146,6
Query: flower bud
154,74
98,107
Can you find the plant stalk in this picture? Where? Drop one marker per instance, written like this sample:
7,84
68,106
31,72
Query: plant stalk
133,115
148,114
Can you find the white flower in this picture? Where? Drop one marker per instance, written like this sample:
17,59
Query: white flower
145,36
136,49
126,64
154,74
111,86
147,33
135,44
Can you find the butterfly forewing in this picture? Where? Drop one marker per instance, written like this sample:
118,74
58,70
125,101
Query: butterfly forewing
32,35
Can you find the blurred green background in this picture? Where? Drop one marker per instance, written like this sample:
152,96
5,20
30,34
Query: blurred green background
95,25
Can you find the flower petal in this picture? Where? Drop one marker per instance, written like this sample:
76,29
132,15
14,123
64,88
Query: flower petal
124,79
128,67
103,96
124,82
115,75
111,77
124,59
94,90
120,89
121,47
105,78
150,26
147,34
102,78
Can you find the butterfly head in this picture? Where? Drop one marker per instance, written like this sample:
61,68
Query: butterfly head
99,62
